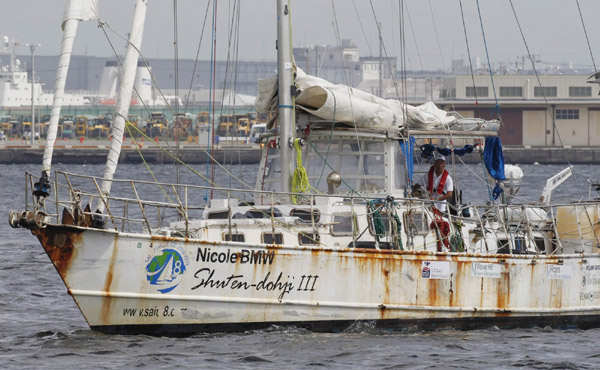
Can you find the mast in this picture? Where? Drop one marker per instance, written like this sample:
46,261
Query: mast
32,48
285,72
75,11
380,62
128,70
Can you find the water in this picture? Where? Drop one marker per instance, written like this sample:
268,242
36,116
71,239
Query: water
42,327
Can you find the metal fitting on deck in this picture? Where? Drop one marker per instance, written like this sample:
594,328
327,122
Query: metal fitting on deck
27,219
333,182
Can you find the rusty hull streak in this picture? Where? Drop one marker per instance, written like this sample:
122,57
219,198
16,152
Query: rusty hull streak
59,243
106,299
503,293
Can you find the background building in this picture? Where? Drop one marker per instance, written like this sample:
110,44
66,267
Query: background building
530,112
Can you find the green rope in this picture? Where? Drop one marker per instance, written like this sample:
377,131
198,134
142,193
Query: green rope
398,230
300,182
378,226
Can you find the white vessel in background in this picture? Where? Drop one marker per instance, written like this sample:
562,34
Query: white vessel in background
15,87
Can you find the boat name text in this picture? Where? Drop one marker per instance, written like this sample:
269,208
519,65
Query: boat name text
268,283
245,256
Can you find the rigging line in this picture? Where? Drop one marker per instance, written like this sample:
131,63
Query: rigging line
586,35
487,54
208,181
128,125
403,55
392,22
234,37
385,51
214,93
333,169
211,113
191,169
227,63
412,30
439,45
237,54
437,37
209,156
336,31
177,120
462,14
537,76
406,141
330,139
102,24
187,100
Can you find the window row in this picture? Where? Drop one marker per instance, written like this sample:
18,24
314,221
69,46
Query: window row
346,224
275,238
538,91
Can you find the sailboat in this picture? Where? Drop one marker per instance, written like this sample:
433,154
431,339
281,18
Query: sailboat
331,234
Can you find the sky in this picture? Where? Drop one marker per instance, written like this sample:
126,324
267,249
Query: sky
433,28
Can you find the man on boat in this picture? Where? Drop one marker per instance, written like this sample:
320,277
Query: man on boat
439,188
438,182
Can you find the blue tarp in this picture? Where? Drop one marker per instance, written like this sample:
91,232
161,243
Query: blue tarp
408,151
428,149
494,161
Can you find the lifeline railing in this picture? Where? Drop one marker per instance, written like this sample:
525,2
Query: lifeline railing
185,203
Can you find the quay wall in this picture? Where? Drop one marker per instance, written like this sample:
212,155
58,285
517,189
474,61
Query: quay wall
96,154
14,153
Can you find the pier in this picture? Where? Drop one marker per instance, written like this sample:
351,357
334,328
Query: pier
242,152
95,151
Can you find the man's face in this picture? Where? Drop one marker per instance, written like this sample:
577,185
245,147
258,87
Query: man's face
439,165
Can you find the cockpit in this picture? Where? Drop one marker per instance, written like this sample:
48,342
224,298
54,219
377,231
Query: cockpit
367,163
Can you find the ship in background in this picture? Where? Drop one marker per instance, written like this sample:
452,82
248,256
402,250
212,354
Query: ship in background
15,85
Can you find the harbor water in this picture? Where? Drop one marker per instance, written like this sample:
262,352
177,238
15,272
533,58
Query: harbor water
43,328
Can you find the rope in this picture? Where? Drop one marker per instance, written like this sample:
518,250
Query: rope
330,138
362,29
300,183
537,76
211,95
333,169
350,92
487,54
462,14
187,100
185,164
384,50
586,35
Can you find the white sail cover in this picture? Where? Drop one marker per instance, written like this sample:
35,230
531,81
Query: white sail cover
80,10
124,96
75,11
346,104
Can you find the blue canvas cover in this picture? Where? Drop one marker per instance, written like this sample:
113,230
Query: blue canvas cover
494,161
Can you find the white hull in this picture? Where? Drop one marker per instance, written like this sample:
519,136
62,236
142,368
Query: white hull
107,273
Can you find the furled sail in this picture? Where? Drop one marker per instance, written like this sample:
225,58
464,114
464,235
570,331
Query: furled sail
75,12
124,97
356,107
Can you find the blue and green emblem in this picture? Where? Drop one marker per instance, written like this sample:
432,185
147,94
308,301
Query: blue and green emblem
166,270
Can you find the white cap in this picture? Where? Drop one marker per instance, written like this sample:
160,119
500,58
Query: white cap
437,155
